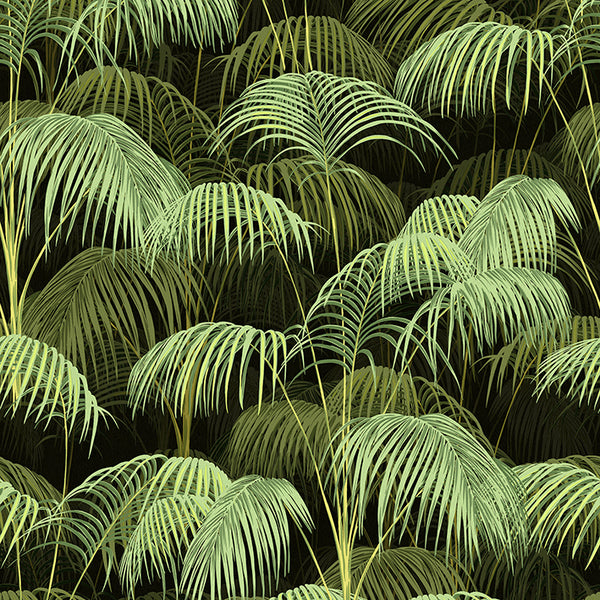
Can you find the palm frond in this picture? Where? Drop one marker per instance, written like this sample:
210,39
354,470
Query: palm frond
575,369
243,541
434,76
324,116
192,369
98,295
515,224
563,505
301,44
434,461
28,368
28,482
17,514
399,573
310,591
95,164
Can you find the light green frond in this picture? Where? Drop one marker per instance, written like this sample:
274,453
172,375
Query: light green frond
243,541
460,69
301,44
446,216
24,108
456,596
563,506
192,369
432,462
514,225
405,24
324,116
36,376
99,295
40,594
365,210
246,217
17,514
124,502
575,369
96,165
270,441
28,482
398,573
310,591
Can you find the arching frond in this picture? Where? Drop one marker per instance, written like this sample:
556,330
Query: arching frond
400,27
94,164
17,514
563,505
245,216
434,462
460,68
243,541
310,591
575,369
28,482
365,211
515,224
191,370
99,294
456,596
41,593
446,216
28,368
324,116
399,573
301,44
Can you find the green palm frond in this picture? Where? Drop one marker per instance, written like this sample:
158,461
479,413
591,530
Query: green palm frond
399,573
310,591
563,506
98,295
456,596
149,501
301,44
95,164
434,462
247,218
28,482
17,514
461,68
446,216
243,542
192,369
365,211
30,369
392,25
324,116
514,225
575,369
40,594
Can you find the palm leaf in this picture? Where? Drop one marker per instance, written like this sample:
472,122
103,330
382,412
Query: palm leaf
310,591
244,538
40,593
96,164
456,596
398,573
301,44
515,224
563,504
324,116
29,367
98,294
433,458
192,368
26,481
433,75
17,514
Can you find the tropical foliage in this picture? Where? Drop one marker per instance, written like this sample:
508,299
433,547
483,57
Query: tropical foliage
299,300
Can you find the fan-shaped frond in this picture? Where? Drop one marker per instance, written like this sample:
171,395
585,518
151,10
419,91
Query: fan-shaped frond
17,514
398,573
310,591
399,27
515,224
301,44
364,210
28,482
28,368
98,294
191,370
324,116
446,216
243,541
575,369
433,461
460,68
563,505
245,216
95,164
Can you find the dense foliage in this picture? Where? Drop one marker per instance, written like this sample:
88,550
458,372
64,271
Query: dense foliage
299,299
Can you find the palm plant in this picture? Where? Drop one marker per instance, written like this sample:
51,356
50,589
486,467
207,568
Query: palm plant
251,291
